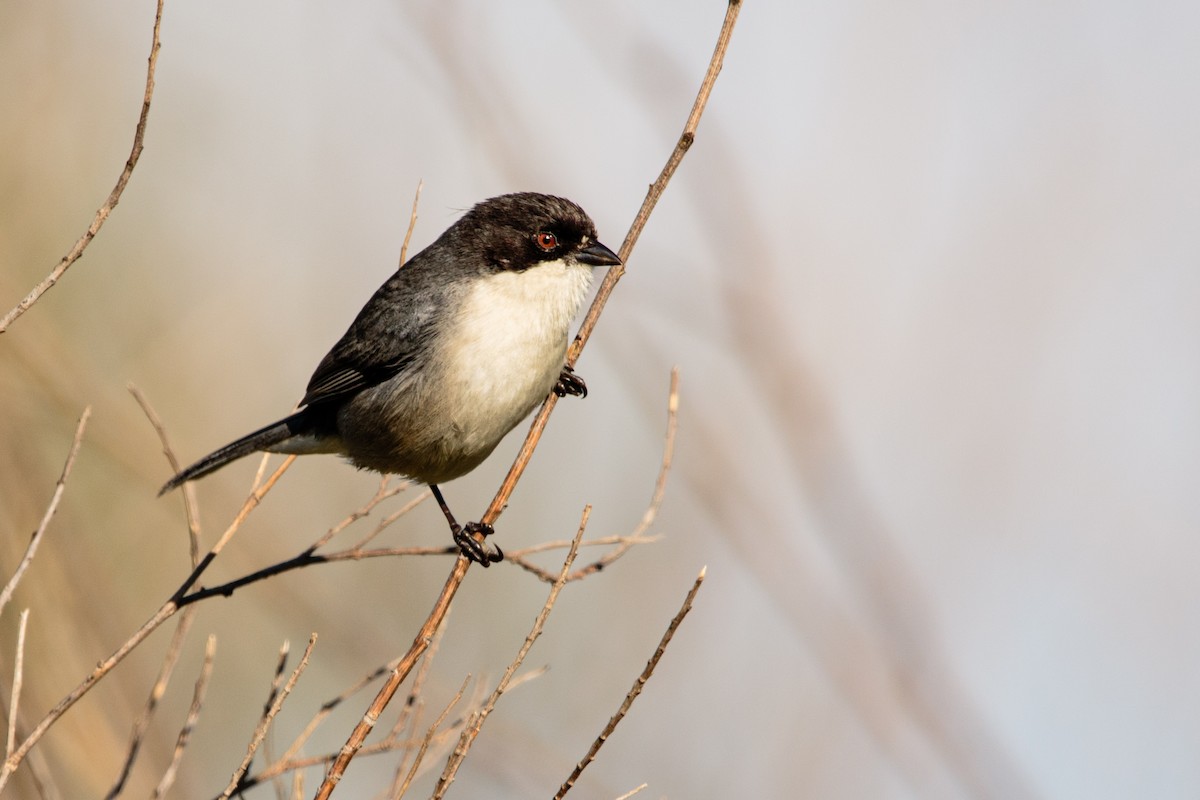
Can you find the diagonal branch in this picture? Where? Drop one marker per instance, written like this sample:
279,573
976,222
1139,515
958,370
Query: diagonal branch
59,488
450,588
635,690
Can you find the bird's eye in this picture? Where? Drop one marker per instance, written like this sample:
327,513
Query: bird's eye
545,240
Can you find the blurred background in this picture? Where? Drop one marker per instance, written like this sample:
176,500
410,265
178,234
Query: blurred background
931,275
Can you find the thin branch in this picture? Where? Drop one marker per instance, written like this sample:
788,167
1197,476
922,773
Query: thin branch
142,723
114,196
638,536
18,679
634,691
631,793
660,484
623,542
190,508
189,723
382,494
412,223
59,488
427,739
279,696
321,715
251,502
412,704
307,559
390,518
471,731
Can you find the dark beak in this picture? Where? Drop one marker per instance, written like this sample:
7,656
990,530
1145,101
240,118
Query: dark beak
597,255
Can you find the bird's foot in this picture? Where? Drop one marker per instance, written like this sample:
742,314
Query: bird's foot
570,384
475,550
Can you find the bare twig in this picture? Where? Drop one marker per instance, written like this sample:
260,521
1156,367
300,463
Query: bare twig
18,678
623,542
385,491
175,648
193,715
59,488
190,508
632,792
170,660
307,559
660,485
321,715
139,135
398,791
390,518
412,706
638,536
278,697
634,691
454,580
412,223
467,738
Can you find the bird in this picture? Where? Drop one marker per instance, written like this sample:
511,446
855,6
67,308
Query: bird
450,353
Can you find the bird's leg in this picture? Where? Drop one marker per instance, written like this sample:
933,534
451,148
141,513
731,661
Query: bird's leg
464,535
570,384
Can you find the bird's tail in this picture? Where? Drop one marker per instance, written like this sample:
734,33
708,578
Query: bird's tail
262,439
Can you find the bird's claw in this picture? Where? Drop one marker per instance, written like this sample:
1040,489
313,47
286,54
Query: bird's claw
475,550
570,384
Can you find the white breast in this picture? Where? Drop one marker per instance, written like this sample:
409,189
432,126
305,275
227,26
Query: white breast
506,349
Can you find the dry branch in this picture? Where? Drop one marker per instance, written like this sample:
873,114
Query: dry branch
277,698
423,748
193,715
479,717
14,701
170,660
638,536
190,508
634,691
76,252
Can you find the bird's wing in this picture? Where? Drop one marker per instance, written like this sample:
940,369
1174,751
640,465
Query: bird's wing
386,337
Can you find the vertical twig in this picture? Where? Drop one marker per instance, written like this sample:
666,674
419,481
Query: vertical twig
412,223
190,509
139,135
193,715
18,678
142,723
